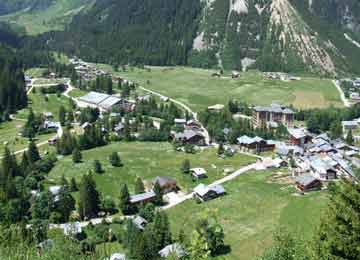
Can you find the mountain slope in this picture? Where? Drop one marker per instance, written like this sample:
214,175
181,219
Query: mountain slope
321,37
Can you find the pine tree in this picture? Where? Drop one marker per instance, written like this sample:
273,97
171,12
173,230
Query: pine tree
158,200
76,156
89,201
62,115
336,130
33,152
97,166
349,138
185,167
221,149
115,160
338,236
65,204
73,185
124,204
139,186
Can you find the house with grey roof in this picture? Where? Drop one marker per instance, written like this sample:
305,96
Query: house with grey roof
118,256
255,144
142,198
205,193
175,249
189,136
299,136
322,169
308,183
140,222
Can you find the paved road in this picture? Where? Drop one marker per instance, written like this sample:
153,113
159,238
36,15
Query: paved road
187,108
342,95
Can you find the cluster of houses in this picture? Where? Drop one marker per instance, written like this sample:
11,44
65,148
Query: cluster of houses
280,76
190,132
86,71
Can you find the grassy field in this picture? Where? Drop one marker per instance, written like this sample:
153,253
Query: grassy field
145,160
54,18
251,211
9,136
196,88
39,104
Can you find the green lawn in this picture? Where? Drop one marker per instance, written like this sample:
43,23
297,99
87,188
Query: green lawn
198,89
77,93
35,72
251,211
145,160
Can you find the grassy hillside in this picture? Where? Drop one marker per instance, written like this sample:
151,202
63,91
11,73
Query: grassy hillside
253,209
199,90
54,17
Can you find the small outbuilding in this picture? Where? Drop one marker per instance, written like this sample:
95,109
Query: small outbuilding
205,193
308,183
198,173
175,249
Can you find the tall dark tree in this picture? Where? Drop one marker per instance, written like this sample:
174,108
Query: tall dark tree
115,160
158,194
33,152
139,186
89,200
124,204
185,167
65,203
76,155
62,115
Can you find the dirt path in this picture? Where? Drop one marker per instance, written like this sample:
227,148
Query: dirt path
342,95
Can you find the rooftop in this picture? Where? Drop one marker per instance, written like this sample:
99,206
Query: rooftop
94,97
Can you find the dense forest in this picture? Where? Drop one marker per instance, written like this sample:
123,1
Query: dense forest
120,32
12,85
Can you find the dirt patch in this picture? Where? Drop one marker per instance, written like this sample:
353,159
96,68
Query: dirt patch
280,178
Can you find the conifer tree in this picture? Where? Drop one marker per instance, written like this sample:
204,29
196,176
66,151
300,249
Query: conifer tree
33,152
65,204
185,167
139,186
73,185
115,160
124,204
158,200
62,115
349,138
338,235
89,201
76,155
97,167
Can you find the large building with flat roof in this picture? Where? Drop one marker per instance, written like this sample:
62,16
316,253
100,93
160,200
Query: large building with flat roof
105,102
274,114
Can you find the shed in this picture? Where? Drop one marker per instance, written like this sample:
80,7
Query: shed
205,193
173,249
142,198
308,183
198,173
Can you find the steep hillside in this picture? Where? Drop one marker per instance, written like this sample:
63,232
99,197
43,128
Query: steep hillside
39,16
321,37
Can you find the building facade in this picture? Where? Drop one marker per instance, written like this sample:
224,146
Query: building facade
262,116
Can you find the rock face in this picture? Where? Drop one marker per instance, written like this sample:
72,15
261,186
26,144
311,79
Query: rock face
294,35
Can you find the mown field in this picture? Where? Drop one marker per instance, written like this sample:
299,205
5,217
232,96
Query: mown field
145,160
252,211
196,87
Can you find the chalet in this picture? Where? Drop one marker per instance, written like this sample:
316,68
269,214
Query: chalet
142,198
299,136
349,125
205,193
51,125
72,229
164,99
175,249
48,115
119,128
308,183
140,222
322,170
216,108
193,125
198,173
189,137
261,116
256,144
356,83
235,74
166,184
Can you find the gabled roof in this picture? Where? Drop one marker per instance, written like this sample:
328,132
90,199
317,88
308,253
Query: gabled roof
94,97
176,249
142,197
118,256
72,228
109,102
139,222
298,133
164,181
305,180
202,189
198,171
